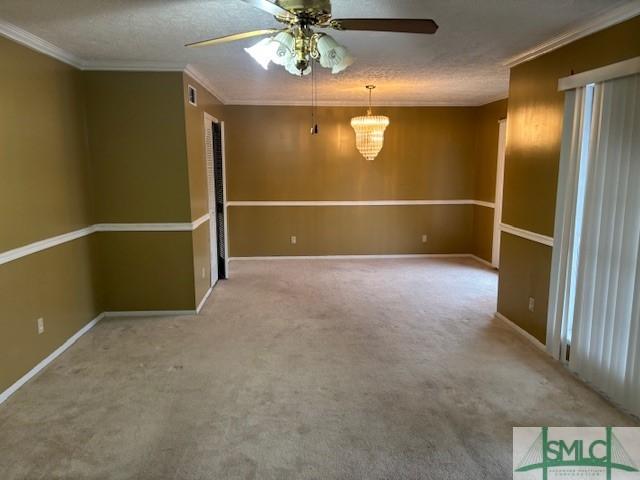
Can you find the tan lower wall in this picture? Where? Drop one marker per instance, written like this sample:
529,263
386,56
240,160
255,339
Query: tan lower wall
524,272
56,284
201,260
483,232
145,270
362,230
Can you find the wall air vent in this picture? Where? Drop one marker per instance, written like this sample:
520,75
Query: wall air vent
193,96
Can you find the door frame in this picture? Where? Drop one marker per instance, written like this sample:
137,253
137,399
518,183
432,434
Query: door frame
207,118
497,210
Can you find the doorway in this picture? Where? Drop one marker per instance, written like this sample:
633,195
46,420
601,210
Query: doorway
214,154
497,212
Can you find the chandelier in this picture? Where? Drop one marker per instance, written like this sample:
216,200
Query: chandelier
295,49
370,131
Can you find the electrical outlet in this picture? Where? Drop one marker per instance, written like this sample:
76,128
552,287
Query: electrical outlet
532,304
204,272
424,238
40,323
294,240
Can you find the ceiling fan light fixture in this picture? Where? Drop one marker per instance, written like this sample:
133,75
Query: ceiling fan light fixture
332,54
284,48
293,68
263,52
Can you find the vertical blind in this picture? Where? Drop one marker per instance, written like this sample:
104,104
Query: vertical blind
594,309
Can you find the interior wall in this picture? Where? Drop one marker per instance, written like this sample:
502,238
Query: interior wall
484,173
531,166
139,175
429,153
197,170
43,193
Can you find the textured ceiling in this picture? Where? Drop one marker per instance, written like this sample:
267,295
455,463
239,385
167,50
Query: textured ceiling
462,64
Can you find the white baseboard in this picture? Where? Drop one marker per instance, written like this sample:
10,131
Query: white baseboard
149,313
368,257
353,257
534,341
483,261
204,299
50,358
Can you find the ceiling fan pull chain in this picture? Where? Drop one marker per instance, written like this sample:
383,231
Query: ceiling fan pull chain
314,125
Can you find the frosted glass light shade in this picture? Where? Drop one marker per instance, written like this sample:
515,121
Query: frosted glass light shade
263,52
284,48
333,55
369,134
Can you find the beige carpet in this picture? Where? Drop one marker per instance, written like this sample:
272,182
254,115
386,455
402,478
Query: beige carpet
350,369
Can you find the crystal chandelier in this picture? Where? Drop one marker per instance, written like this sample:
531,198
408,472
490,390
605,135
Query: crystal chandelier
370,131
294,50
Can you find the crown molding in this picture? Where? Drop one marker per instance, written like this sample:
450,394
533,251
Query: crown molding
38,44
495,98
132,66
606,19
346,103
197,75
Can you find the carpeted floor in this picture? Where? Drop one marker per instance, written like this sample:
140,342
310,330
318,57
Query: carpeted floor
350,369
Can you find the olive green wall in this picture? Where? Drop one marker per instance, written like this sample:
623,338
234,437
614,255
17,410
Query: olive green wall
145,270
43,193
198,186
484,172
531,167
137,140
80,148
359,230
140,174
43,151
429,153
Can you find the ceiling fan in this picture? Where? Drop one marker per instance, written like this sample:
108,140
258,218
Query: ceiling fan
298,44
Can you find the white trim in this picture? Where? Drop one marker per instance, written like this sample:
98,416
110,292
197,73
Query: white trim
196,223
497,214
50,358
38,44
144,227
600,22
533,236
349,203
602,74
148,313
482,260
209,164
257,102
482,203
131,66
14,254
534,341
194,73
204,299
364,257
494,98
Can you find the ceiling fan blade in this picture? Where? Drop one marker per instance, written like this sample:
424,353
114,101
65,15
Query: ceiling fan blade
406,25
270,7
234,37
